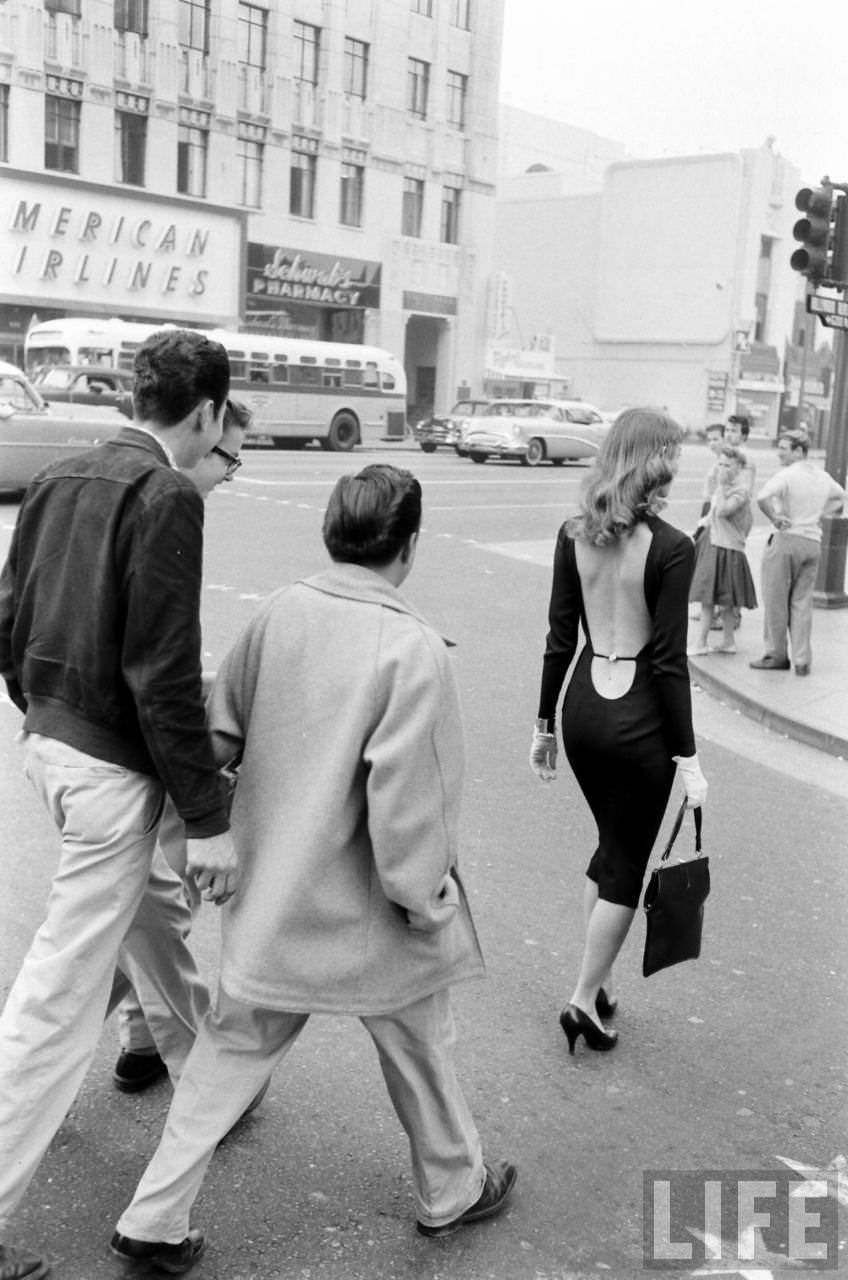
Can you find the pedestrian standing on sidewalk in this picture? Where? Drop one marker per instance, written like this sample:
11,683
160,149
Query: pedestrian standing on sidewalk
139,1063
736,433
622,573
722,579
100,649
795,499
715,439
346,815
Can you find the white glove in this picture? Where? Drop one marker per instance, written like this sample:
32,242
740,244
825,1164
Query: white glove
694,781
543,752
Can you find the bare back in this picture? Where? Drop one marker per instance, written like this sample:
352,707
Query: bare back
612,584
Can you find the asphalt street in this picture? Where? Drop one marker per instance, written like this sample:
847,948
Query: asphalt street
733,1062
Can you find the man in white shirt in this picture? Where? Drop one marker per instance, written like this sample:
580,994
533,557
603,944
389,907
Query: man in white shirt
794,499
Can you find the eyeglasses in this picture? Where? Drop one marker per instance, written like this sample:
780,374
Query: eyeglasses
233,463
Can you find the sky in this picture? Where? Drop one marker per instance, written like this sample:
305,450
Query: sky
688,77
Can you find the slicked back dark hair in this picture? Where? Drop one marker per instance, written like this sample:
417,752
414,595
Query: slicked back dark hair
372,515
174,370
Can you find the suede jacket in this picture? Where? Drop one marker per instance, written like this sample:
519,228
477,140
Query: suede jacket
99,618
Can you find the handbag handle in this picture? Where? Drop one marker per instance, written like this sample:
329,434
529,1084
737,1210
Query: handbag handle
678,822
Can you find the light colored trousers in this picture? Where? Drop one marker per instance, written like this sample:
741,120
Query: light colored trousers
176,894
789,568
238,1047
100,912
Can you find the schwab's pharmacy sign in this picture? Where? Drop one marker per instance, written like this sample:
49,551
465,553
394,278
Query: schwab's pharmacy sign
277,276
85,246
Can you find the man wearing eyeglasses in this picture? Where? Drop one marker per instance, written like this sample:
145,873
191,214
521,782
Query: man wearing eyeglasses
139,1063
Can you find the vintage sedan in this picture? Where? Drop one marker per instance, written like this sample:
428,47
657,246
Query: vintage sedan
85,384
448,428
534,431
34,433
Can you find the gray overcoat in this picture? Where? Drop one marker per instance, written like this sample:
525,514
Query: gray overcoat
347,808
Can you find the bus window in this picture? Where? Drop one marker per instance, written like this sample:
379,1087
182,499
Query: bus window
352,377
95,355
372,375
238,369
305,376
259,373
388,382
49,355
332,378
280,372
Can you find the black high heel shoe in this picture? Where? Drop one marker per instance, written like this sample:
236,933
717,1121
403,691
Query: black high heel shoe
576,1023
604,1006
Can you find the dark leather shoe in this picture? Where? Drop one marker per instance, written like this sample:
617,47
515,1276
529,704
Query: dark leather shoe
15,1265
173,1259
498,1187
802,668
605,1005
771,663
136,1071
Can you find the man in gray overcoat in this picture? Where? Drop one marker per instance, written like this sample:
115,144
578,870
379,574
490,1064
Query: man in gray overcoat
340,700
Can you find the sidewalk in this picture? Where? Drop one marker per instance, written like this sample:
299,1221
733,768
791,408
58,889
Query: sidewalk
811,709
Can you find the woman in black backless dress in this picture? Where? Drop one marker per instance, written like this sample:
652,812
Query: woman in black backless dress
622,574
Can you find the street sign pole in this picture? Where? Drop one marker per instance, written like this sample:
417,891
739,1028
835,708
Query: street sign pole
830,583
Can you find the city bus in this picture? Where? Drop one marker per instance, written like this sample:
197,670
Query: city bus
340,394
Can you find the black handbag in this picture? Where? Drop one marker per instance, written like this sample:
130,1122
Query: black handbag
674,904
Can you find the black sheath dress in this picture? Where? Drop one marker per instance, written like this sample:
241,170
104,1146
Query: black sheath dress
621,749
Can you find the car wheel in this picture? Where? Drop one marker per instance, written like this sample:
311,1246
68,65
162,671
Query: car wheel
535,453
478,457
427,446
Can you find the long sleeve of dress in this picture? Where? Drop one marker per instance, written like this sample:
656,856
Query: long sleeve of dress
672,574
563,620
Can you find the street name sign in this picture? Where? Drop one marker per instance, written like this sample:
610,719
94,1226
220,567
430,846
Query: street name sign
833,312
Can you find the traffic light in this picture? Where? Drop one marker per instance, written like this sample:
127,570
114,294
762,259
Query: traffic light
838,274
814,232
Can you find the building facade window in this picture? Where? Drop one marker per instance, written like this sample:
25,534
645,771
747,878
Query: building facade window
252,35
449,232
194,24
351,194
424,7
355,68
73,7
4,122
460,14
457,93
61,134
412,212
130,147
131,15
304,168
307,47
192,147
250,158
418,88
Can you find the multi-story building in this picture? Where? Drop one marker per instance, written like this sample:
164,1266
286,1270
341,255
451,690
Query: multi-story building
316,167
661,281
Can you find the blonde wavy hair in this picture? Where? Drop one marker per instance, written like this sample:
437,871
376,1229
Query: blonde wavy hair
633,464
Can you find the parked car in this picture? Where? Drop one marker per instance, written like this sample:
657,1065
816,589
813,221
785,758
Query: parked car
534,431
34,433
448,428
85,385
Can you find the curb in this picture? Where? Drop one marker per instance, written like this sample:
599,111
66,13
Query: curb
831,743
